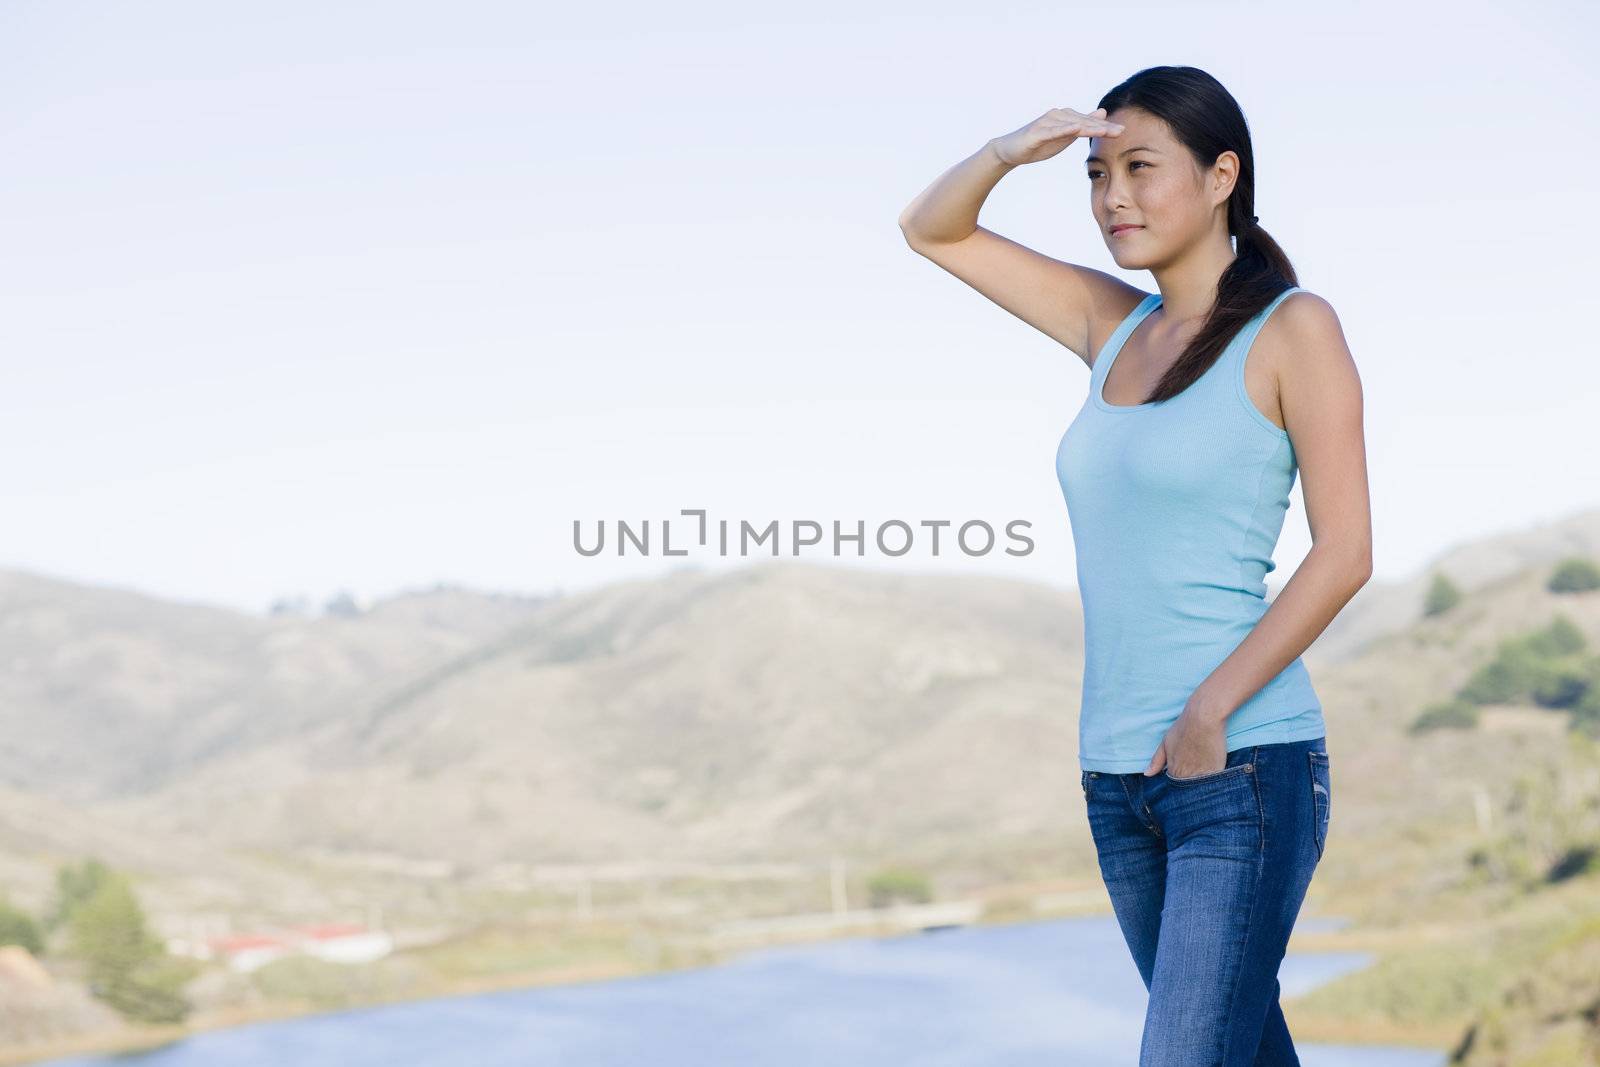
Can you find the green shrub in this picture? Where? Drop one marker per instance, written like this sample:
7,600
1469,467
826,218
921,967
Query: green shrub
1560,638
1442,595
1560,685
1574,575
1547,666
1509,676
887,886
1576,860
1454,714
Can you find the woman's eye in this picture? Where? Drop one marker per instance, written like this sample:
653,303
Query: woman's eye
1093,174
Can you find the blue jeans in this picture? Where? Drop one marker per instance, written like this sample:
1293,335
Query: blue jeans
1206,876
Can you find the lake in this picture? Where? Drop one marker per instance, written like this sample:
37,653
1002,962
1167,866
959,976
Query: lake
1036,994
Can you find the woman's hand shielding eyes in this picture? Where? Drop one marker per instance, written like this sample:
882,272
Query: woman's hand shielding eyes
1051,132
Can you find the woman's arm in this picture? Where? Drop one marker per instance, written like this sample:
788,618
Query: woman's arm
1320,394
947,211
1059,299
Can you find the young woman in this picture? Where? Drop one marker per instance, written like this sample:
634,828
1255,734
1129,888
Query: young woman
1203,755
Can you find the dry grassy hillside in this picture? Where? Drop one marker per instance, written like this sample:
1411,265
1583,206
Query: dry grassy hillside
452,756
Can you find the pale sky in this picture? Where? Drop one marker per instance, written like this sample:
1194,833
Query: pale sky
309,296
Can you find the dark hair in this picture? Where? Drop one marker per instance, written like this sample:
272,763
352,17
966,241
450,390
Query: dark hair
1205,118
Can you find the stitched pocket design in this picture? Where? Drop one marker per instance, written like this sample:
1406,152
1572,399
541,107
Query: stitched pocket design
1321,798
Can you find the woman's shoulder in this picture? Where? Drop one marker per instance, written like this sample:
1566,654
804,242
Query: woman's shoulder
1303,309
1301,318
1303,333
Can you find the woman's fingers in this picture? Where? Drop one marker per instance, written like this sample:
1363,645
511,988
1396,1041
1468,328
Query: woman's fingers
1050,133
1095,118
1082,129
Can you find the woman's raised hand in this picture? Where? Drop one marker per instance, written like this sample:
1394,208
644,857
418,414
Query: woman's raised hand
1051,132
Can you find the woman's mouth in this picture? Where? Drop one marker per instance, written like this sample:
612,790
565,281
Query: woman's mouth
1118,231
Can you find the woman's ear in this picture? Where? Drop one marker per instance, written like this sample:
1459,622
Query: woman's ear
1224,176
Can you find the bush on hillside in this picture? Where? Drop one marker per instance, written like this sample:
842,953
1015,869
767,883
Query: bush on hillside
1509,676
1544,660
1576,861
1562,684
1442,595
887,886
1560,638
1574,575
1454,714
1549,667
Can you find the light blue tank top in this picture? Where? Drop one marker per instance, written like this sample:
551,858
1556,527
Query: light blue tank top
1175,509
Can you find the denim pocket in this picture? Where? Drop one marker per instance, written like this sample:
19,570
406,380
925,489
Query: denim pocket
1321,798
1235,769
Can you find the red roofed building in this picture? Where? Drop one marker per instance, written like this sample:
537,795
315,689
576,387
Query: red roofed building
343,942
246,952
334,942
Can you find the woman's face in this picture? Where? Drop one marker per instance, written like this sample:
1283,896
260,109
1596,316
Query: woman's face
1144,178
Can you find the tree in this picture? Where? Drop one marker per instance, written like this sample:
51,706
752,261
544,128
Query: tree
128,967
18,928
75,883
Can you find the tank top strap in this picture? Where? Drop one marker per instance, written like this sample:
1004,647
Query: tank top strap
1238,351
1114,343
1240,345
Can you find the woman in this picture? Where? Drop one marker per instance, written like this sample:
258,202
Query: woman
1203,755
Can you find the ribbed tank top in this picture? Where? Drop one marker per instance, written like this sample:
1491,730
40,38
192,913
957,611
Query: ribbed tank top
1175,510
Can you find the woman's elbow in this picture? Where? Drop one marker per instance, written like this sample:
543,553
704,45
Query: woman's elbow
1361,569
1350,559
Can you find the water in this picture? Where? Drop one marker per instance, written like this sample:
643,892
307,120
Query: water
1025,995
